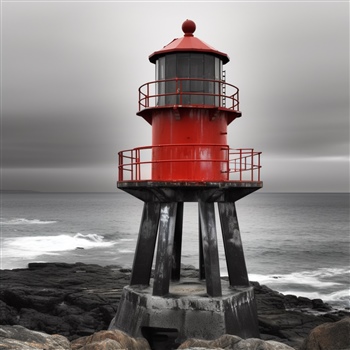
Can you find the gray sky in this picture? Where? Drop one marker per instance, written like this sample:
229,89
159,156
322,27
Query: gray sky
71,71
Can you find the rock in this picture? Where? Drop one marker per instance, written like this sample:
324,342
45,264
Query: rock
289,319
106,344
334,336
195,343
8,314
21,338
258,344
201,348
69,299
232,342
114,339
77,300
226,341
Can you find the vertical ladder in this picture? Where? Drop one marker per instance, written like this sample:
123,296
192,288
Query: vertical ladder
224,88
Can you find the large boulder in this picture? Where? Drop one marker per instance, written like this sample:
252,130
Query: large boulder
21,338
233,342
110,340
329,336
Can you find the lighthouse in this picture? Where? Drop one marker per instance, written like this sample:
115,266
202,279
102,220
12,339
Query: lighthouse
189,107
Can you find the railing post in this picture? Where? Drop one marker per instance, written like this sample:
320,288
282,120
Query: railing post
132,165
120,166
138,170
252,164
240,164
147,99
139,100
228,164
179,90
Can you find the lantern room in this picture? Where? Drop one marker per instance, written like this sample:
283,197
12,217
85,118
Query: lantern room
201,73
196,64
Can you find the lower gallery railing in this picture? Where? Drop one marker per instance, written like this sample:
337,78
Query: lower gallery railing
242,164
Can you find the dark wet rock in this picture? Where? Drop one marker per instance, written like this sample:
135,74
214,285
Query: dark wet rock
335,336
78,300
69,299
289,319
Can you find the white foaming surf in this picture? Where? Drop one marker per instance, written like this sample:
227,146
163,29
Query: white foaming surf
313,284
23,221
311,278
33,246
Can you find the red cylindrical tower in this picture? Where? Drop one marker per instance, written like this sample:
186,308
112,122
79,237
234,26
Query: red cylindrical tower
189,111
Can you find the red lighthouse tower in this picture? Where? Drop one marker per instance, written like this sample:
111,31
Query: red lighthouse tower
189,107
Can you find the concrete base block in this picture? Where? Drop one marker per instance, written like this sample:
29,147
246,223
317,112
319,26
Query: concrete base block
186,312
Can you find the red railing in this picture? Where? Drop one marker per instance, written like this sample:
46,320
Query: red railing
188,91
246,163
242,164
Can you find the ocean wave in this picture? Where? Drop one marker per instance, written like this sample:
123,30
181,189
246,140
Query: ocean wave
33,246
313,284
125,251
311,278
340,298
23,221
93,237
329,272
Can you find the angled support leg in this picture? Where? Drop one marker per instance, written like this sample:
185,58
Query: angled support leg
176,263
165,248
236,266
210,248
201,255
142,266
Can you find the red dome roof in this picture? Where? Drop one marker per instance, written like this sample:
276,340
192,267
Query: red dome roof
188,43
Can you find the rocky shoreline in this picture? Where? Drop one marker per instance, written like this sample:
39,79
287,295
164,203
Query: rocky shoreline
78,300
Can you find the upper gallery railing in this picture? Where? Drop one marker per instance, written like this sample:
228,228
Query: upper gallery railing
188,92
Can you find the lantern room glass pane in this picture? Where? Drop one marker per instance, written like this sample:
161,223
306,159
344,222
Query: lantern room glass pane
204,75
209,73
183,71
170,73
160,74
196,65
218,78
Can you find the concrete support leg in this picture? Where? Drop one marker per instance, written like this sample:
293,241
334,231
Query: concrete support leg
201,254
165,249
141,270
210,248
236,266
176,263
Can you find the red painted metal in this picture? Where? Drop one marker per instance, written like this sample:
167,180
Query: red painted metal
188,43
242,164
194,134
149,98
189,118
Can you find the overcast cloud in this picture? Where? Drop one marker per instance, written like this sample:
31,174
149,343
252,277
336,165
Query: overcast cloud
71,70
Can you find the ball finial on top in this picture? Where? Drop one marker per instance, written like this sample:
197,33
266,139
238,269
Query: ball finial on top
188,27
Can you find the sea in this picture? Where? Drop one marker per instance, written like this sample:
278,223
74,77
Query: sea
294,243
